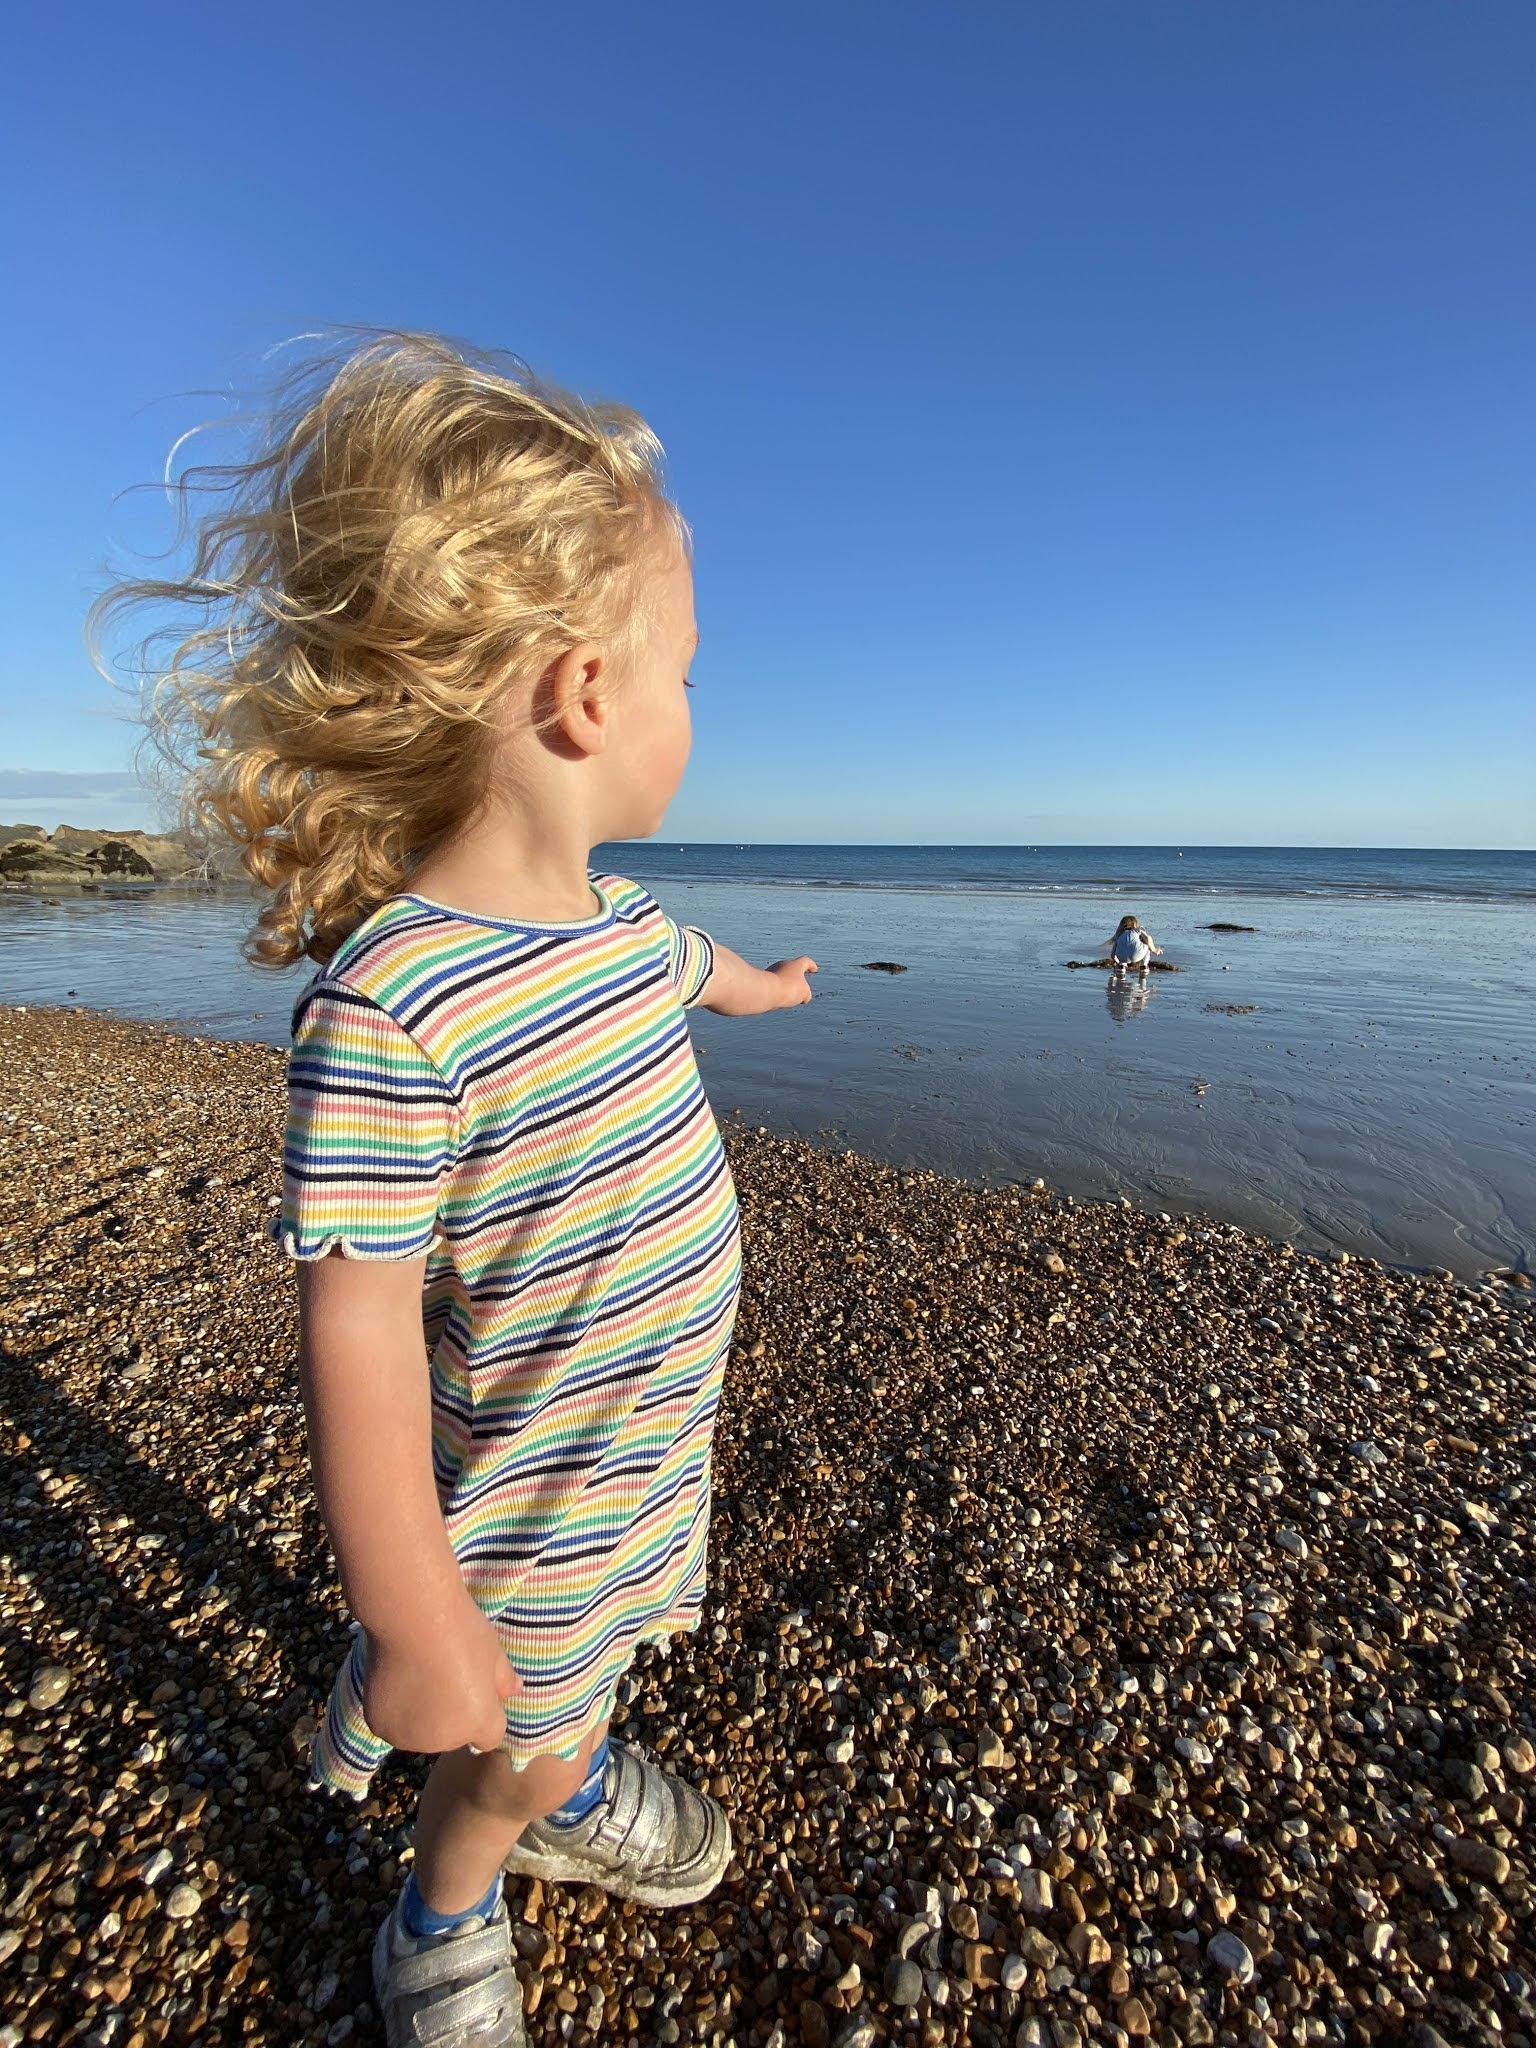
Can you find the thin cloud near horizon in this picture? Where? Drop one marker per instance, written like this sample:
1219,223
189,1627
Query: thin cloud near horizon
74,785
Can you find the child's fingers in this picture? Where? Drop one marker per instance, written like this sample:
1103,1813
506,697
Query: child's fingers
490,1735
494,1731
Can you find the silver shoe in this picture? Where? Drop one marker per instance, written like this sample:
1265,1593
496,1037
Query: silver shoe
453,1990
650,1838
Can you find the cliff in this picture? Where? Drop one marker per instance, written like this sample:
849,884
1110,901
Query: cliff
76,856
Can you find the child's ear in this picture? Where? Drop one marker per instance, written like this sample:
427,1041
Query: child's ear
577,699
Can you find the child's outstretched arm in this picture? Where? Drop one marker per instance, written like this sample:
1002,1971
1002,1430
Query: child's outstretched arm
735,989
436,1673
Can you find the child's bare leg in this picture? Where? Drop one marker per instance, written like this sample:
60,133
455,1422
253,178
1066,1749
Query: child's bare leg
473,1808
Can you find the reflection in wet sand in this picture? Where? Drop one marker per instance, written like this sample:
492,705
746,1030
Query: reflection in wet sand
1127,994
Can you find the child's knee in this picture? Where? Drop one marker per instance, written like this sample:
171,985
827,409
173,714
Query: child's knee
545,1783
493,1784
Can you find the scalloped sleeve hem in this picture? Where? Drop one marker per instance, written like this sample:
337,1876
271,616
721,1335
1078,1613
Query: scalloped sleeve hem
306,1250
373,1132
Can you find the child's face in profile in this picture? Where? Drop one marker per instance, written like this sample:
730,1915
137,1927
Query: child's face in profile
651,730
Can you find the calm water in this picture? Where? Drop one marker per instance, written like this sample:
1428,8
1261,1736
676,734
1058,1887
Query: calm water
1376,1093
1348,873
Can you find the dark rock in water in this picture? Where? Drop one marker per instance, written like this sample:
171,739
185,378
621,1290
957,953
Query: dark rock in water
1157,966
1229,927
1232,1009
883,966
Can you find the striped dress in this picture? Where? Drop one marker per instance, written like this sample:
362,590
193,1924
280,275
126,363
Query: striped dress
520,1102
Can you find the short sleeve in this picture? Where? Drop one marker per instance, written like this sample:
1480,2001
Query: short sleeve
372,1130
691,959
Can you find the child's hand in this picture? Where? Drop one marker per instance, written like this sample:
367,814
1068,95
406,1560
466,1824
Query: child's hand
736,990
793,977
443,1691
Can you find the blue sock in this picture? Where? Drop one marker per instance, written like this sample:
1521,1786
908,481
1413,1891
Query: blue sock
419,1920
588,1793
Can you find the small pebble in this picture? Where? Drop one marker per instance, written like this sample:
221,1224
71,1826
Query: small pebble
1378,1939
903,1983
1231,1956
49,1685
1480,1858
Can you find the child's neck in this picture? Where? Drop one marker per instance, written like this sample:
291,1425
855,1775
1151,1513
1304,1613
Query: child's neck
511,867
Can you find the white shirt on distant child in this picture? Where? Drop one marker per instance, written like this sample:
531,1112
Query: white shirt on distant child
1132,948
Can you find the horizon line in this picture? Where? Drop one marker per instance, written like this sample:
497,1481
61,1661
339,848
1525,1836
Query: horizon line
950,845
1079,845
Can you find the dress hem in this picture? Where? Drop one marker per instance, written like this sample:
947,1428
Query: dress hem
349,1782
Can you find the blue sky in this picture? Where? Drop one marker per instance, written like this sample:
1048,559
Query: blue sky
1100,422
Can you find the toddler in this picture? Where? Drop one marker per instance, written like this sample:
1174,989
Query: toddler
448,618
1131,946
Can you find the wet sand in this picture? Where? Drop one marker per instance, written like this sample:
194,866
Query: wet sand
1121,1626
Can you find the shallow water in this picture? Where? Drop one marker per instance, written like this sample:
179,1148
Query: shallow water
1379,1097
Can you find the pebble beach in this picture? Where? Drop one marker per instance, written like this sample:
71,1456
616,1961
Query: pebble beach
1122,1626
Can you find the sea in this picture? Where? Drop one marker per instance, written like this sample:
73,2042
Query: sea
1353,1070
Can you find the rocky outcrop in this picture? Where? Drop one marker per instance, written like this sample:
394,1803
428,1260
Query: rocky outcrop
168,857
80,855
36,861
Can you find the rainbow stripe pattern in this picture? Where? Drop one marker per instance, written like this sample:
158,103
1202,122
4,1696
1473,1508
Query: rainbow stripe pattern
520,1102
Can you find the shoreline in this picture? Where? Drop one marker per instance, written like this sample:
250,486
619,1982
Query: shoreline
1116,1623
1075,1181
56,887
1322,1100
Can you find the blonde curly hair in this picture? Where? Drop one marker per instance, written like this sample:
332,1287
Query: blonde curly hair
423,528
